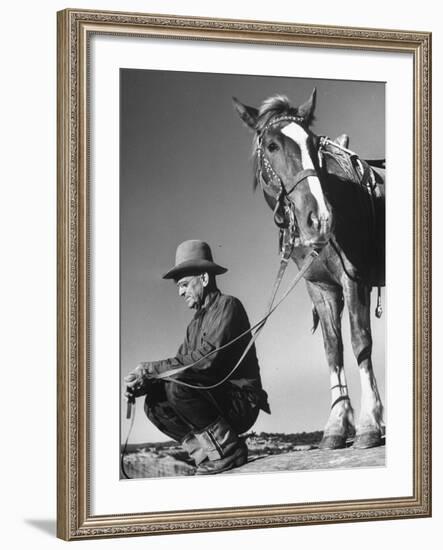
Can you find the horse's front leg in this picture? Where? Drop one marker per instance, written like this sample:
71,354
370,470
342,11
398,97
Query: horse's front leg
328,302
369,426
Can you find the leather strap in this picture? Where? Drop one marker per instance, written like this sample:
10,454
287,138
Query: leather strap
302,175
340,399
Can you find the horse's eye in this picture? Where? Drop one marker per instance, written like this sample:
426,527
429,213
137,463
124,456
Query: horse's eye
272,147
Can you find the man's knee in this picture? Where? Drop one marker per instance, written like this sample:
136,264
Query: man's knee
152,410
152,414
165,418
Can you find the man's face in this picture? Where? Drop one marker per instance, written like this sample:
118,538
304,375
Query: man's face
192,289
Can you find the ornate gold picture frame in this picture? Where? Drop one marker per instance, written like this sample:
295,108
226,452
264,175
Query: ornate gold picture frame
77,514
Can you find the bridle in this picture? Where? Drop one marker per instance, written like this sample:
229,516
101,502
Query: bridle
284,213
284,210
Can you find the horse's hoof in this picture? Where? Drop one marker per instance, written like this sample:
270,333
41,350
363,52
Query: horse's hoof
331,442
367,440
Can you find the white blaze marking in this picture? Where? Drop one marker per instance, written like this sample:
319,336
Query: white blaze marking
300,137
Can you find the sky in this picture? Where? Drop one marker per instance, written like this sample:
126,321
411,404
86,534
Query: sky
186,173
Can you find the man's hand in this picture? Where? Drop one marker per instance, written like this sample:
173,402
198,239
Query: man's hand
136,380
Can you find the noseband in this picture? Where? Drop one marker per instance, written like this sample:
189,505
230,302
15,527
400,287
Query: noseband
284,205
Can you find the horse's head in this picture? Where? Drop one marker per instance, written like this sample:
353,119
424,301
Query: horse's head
286,161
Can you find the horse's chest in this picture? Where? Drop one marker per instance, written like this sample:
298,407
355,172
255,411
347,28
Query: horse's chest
320,271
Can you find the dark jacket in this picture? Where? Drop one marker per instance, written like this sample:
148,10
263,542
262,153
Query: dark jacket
221,319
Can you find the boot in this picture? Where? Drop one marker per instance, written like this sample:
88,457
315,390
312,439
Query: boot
192,446
223,447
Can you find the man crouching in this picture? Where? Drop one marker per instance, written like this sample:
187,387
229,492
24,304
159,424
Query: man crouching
207,422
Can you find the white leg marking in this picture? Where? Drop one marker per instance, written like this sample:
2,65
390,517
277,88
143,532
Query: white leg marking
300,137
371,414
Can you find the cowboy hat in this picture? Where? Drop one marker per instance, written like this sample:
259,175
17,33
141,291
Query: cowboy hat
193,257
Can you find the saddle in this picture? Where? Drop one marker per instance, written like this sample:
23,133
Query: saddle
341,162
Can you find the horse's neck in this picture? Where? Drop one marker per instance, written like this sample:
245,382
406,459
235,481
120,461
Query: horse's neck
348,198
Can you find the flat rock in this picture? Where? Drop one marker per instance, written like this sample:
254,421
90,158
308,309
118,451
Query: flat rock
315,459
145,465
149,465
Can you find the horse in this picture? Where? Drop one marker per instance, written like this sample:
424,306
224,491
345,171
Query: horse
327,199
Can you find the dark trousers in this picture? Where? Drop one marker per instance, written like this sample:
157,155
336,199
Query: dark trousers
177,410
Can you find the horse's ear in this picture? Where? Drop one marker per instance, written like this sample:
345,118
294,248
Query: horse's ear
307,109
249,115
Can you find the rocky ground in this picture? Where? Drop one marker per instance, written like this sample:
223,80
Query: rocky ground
148,464
316,459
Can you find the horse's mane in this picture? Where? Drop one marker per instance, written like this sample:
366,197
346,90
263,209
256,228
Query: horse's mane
275,106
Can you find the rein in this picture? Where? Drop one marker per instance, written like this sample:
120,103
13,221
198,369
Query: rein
130,406
258,326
